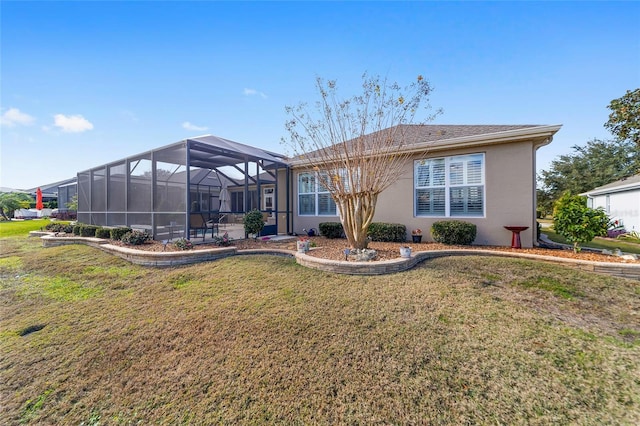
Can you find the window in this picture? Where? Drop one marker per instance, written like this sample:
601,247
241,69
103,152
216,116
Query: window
237,201
313,198
450,186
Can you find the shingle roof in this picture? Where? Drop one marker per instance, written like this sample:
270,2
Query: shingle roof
438,135
416,133
625,183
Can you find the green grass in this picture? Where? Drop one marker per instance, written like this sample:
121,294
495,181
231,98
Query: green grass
597,243
86,338
21,227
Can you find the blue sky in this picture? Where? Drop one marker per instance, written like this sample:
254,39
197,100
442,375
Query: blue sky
85,83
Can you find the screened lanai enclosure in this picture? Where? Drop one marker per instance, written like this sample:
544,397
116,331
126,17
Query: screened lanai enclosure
192,188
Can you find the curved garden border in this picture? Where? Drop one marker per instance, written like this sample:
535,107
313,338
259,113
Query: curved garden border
174,258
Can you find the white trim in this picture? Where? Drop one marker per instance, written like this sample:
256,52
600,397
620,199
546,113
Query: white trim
448,186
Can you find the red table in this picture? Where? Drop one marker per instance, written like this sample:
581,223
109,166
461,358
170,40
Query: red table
515,237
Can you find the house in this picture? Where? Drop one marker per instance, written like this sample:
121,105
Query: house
620,200
484,174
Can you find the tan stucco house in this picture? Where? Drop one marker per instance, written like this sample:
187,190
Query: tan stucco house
481,174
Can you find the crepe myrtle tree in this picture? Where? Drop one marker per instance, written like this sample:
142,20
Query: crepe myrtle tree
357,146
578,223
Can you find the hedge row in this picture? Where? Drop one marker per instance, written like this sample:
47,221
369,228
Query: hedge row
378,231
124,234
452,232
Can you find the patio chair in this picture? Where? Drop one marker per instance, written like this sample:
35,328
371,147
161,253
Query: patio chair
197,223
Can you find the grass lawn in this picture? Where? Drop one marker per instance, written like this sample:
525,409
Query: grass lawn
21,227
86,338
597,243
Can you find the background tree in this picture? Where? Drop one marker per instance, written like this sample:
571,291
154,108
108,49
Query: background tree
355,145
624,120
595,164
73,203
12,201
578,223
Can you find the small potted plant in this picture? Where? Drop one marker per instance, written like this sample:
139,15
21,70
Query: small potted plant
416,235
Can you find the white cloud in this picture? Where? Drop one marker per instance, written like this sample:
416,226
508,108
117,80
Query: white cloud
14,117
189,126
253,92
72,123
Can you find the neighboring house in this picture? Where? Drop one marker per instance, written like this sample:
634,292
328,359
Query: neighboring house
482,174
620,200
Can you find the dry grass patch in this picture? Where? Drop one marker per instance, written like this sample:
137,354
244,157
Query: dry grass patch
255,340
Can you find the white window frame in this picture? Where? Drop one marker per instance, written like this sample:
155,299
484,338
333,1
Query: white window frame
316,192
449,185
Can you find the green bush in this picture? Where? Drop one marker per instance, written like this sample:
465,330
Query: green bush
59,227
135,238
183,244
454,232
387,232
576,222
77,229
88,231
331,229
103,233
253,222
117,233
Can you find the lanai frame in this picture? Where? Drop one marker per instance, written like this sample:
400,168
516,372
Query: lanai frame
159,189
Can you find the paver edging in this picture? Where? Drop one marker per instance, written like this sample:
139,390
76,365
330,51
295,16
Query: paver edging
174,258
627,270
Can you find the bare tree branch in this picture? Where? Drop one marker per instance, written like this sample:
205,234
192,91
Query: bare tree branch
358,145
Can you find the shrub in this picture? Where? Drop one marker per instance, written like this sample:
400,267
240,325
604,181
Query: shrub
103,233
183,244
454,232
117,233
331,229
253,222
223,241
387,232
88,230
77,229
576,222
59,227
135,238
632,237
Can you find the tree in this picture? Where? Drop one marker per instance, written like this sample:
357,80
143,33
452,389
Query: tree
595,164
73,203
356,146
624,120
578,223
12,201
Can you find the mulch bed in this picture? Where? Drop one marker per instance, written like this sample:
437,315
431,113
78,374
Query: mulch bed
334,249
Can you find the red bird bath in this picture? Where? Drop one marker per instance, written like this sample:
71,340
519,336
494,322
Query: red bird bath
515,237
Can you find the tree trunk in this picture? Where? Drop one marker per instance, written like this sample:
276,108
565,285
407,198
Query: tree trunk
356,214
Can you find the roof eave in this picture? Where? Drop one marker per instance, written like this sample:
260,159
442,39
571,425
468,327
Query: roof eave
541,135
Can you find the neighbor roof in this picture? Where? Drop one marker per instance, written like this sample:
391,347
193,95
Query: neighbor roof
625,184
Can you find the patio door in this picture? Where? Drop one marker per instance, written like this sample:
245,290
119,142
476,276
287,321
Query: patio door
268,199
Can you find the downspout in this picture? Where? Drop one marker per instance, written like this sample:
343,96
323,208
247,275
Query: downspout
534,225
187,222
290,215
